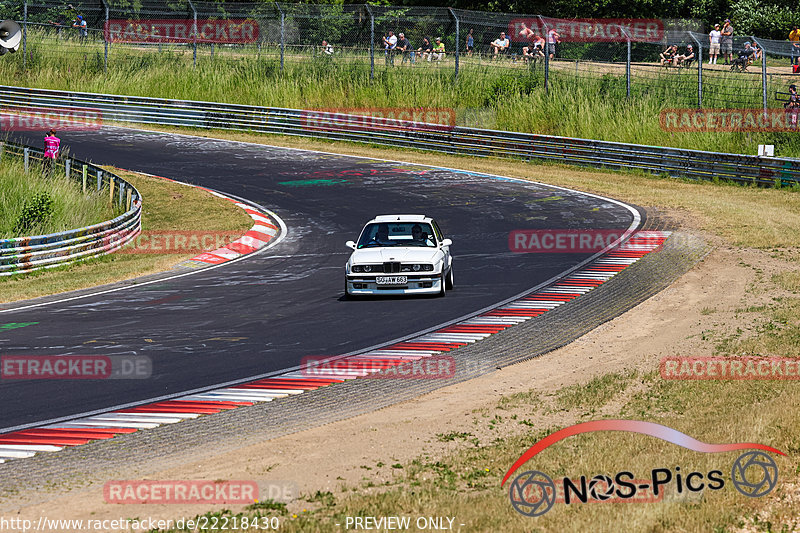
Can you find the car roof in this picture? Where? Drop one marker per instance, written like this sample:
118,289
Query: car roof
400,218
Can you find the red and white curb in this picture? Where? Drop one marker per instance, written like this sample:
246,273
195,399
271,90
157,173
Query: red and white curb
54,437
257,237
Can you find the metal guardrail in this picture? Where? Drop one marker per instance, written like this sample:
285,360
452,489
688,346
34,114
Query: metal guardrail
24,254
675,162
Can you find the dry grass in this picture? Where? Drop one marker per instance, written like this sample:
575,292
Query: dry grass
167,206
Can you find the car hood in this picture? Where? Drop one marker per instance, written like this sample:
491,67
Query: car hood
398,254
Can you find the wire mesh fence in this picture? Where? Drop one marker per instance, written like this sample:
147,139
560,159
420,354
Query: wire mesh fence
626,58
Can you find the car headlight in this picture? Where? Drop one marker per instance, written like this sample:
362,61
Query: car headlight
417,267
363,268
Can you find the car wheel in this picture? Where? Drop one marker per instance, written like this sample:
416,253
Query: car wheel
443,285
346,294
450,282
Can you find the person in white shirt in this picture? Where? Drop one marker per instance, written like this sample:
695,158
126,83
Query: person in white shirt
500,45
327,48
390,43
713,42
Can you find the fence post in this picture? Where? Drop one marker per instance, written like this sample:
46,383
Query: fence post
26,158
546,55
99,180
194,34
699,70
371,42
105,38
627,65
83,172
458,38
763,73
283,31
25,36
67,168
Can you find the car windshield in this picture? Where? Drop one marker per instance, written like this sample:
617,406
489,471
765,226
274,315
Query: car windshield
397,234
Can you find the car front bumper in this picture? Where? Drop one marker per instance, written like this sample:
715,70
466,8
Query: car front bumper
420,285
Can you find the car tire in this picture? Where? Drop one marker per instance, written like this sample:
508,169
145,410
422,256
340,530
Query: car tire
347,295
443,286
449,282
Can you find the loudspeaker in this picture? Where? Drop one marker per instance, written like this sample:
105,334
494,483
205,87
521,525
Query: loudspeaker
10,36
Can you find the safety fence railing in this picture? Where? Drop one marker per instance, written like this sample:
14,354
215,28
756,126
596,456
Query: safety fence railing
626,55
674,162
26,253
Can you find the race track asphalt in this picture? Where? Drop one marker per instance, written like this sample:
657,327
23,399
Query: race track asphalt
266,312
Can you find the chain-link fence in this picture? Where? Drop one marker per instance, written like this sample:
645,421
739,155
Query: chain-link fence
625,58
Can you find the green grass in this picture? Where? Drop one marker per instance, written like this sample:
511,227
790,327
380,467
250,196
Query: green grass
72,209
592,104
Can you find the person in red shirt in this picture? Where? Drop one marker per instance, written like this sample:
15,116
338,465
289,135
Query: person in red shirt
51,146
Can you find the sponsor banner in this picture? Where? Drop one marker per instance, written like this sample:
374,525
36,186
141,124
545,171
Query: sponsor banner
379,119
727,120
26,367
181,31
44,119
730,368
433,367
175,242
588,30
564,241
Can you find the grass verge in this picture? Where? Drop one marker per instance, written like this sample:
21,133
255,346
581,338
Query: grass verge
591,103
167,206
71,208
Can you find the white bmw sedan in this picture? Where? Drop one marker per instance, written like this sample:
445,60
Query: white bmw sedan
399,254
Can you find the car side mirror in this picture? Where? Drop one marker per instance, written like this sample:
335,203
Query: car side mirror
447,242
350,244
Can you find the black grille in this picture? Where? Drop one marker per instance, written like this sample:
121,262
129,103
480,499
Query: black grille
391,268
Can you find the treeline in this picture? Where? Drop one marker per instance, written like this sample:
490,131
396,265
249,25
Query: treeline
771,19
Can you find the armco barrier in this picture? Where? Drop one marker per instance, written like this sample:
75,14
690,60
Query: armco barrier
675,162
23,254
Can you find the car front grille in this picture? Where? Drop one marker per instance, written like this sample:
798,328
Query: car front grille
391,268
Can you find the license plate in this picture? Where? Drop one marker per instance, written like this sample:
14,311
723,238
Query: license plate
391,280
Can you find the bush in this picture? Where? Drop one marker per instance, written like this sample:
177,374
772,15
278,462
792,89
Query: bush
36,211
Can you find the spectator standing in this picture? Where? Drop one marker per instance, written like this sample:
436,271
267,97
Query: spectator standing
726,43
500,44
794,38
80,23
426,50
51,146
390,43
438,50
404,47
713,41
553,38
470,42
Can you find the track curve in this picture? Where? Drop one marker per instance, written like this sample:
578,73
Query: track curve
266,312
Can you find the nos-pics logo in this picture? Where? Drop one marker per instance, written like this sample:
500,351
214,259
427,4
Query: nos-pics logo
533,493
